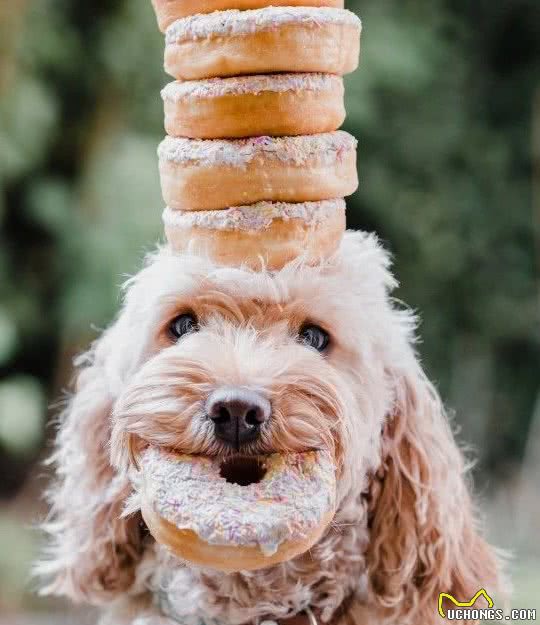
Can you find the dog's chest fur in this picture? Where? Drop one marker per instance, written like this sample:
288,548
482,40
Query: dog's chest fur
322,578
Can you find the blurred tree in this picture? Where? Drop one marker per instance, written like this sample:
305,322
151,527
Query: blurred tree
80,118
441,107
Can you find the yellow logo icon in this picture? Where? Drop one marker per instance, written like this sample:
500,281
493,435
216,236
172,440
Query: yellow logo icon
463,604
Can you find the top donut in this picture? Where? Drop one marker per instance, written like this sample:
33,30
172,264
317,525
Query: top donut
261,41
168,11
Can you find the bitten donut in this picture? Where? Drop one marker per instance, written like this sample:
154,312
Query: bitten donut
266,233
211,174
210,511
167,11
273,39
249,106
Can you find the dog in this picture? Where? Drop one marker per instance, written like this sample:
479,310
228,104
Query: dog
334,355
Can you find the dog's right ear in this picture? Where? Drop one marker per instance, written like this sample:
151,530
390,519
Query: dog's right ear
93,550
425,537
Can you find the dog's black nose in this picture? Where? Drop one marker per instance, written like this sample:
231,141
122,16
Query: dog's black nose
237,415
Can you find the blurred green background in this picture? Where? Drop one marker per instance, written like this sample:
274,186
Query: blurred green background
446,107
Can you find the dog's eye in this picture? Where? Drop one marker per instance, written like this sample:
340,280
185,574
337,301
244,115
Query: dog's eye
183,324
314,336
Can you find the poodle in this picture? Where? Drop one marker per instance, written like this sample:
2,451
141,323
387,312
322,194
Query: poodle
334,356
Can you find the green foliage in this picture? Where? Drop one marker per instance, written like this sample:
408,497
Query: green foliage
21,406
442,108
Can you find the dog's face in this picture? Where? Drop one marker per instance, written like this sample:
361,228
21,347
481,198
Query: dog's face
230,361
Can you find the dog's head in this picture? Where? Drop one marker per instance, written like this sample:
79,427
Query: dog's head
221,361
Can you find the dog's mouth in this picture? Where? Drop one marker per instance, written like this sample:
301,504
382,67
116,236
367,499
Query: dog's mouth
243,470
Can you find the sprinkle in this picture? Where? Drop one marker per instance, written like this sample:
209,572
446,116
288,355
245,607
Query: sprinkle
240,85
327,147
254,217
235,22
292,500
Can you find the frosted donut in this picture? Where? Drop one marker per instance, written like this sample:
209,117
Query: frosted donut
249,106
210,511
259,41
266,234
211,174
167,11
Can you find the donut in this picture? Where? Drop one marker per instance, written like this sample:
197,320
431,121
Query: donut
239,513
268,234
167,11
260,41
211,174
249,106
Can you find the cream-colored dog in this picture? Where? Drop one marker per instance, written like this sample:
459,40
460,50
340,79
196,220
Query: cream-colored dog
334,356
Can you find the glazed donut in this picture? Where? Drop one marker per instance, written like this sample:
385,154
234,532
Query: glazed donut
167,11
211,174
272,39
266,234
237,514
249,106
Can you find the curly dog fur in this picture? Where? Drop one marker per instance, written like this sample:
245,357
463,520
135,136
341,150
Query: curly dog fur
405,527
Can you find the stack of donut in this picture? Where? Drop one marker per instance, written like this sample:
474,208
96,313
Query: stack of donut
254,169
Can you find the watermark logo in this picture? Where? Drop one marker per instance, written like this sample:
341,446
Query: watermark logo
463,604
464,610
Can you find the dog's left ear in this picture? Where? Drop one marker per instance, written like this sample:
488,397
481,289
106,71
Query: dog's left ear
424,536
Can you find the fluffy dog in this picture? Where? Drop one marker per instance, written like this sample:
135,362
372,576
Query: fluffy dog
334,355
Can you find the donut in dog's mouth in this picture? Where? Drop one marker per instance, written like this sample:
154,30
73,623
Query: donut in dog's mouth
243,470
237,513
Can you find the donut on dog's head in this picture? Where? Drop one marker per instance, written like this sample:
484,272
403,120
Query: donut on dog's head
272,423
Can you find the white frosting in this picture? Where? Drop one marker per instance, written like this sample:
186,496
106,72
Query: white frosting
291,500
327,147
254,217
239,85
235,22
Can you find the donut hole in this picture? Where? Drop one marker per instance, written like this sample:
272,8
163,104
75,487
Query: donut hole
243,470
